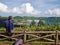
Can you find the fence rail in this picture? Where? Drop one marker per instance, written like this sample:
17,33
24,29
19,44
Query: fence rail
36,35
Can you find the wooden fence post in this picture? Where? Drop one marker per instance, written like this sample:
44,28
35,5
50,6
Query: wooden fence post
25,36
56,40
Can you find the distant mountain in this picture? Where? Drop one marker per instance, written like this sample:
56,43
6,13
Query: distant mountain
18,17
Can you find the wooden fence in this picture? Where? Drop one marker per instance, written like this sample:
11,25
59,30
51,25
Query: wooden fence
35,35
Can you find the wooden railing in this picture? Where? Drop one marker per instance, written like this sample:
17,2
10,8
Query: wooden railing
45,35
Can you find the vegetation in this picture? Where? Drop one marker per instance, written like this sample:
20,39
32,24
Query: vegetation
44,24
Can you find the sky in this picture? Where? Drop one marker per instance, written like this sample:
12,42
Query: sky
38,8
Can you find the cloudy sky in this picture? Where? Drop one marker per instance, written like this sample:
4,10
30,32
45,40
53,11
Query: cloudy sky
39,8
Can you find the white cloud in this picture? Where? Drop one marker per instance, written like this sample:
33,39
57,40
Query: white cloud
26,8
16,10
3,7
53,12
56,11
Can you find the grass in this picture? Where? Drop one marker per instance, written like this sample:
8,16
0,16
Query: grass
7,42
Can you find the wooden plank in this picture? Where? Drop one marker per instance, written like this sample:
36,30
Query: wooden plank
16,35
48,35
49,39
4,35
42,42
33,35
34,39
14,39
33,32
